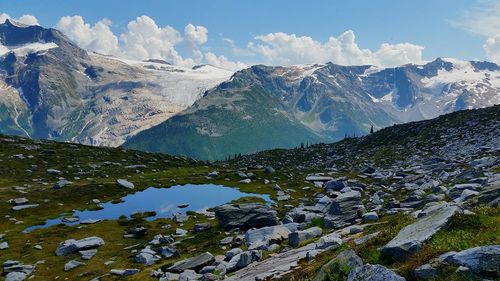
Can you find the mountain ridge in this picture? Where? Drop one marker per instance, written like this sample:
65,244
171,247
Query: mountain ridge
330,101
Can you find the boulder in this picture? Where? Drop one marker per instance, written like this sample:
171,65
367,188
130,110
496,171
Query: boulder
72,246
124,272
425,272
233,252
124,183
345,260
373,272
189,275
344,209
370,217
329,241
484,260
269,234
243,259
296,237
147,257
409,240
73,264
194,263
269,170
245,215
335,185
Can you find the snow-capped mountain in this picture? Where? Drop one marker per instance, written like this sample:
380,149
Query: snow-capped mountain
267,107
51,88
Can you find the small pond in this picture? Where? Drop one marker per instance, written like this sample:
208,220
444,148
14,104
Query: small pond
164,201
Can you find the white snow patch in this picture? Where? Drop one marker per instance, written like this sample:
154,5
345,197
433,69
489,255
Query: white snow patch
31,48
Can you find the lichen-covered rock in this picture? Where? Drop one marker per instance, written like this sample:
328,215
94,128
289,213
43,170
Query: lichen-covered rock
373,272
409,240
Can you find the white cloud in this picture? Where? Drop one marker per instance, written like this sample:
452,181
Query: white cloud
28,20
144,39
223,62
24,19
285,49
483,19
492,48
97,38
195,36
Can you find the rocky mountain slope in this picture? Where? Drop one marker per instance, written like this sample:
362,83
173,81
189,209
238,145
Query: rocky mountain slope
417,201
50,88
267,107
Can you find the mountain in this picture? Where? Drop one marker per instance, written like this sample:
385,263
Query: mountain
266,107
51,88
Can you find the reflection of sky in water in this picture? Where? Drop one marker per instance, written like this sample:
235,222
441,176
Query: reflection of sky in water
163,201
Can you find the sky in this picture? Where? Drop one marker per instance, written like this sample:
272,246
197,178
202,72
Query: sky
235,34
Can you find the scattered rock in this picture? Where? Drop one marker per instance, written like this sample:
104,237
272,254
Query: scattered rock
124,183
72,246
373,272
296,237
194,263
245,215
124,272
344,260
73,264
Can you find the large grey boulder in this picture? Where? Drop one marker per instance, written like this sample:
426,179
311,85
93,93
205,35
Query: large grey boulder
373,272
484,260
296,237
72,246
243,259
344,209
329,241
245,215
194,263
345,259
269,234
409,240
147,256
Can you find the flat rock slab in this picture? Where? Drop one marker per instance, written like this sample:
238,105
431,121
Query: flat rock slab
275,266
193,263
409,240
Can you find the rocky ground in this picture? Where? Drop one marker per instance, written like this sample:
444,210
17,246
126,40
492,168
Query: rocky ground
418,201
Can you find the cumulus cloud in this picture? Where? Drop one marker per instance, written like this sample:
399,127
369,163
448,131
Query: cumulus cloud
223,62
97,38
24,19
144,39
28,20
492,48
285,49
195,36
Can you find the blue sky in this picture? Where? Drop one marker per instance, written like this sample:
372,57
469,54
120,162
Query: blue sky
442,27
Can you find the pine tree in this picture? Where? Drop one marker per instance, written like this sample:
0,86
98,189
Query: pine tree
371,130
